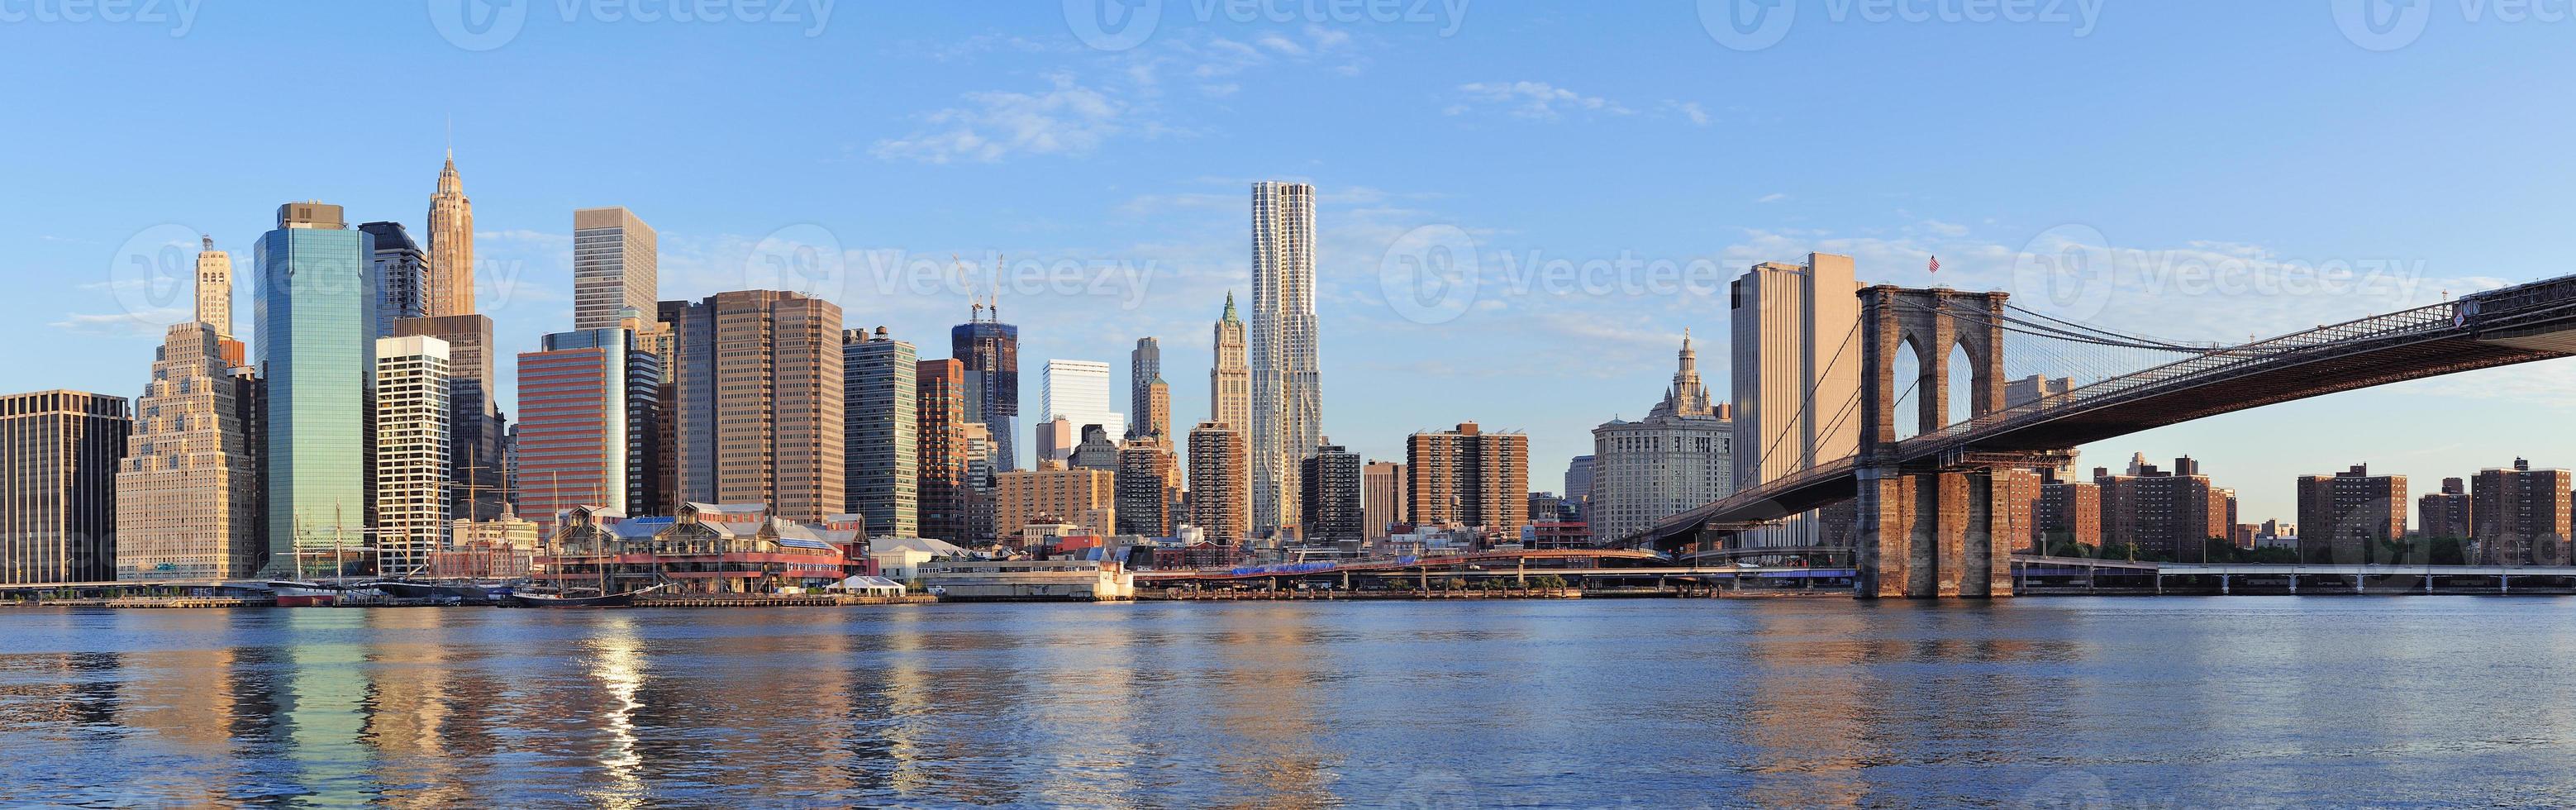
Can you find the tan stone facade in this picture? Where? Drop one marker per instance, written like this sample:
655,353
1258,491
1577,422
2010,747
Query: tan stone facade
187,492
760,403
451,247
1084,497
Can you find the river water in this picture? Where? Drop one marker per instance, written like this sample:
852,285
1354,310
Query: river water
2173,701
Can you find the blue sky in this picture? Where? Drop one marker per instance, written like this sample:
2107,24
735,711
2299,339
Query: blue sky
2257,141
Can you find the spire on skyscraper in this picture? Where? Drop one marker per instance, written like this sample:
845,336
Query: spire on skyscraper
451,245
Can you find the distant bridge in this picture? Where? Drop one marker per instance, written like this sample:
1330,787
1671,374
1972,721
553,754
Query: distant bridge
1894,478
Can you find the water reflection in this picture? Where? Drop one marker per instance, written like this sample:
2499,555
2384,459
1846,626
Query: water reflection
616,663
1797,702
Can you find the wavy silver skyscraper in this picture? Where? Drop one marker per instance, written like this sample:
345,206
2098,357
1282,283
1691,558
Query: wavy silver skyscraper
1287,386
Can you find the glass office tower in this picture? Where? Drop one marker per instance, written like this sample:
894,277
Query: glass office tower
315,315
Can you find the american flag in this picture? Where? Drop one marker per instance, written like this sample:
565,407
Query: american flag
1936,265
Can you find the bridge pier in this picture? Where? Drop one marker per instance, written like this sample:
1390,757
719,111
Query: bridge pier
1932,530
1938,535
2222,584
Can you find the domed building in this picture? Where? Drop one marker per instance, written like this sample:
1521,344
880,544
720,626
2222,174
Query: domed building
1681,456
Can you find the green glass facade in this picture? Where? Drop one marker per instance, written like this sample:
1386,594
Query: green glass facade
315,317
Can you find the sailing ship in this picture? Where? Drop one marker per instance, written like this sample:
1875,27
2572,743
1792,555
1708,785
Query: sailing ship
572,599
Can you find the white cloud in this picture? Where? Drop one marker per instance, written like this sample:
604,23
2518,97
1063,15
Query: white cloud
1065,118
143,323
1772,197
1691,110
1092,99
1282,44
1534,100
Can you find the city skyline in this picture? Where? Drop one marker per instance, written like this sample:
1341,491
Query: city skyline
1184,213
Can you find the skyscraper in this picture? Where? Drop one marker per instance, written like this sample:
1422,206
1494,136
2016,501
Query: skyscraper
2445,514
1149,481
2068,512
1084,497
401,275
1469,477
1144,366
615,261
215,291
574,435
2167,515
475,424
316,318
412,506
1229,377
880,420
2519,516
1330,491
1382,498
1219,482
760,414
979,482
1681,456
1157,415
1287,384
1078,390
1796,333
187,497
940,396
1578,479
58,476
1052,442
2350,512
451,246
991,351
1096,451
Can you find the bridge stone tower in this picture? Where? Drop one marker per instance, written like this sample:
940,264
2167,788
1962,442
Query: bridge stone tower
1933,527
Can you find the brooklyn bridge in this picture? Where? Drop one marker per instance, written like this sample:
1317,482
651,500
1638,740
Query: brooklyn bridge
1932,519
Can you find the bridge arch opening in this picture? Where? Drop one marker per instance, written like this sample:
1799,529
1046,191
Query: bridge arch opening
1962,385
1909,377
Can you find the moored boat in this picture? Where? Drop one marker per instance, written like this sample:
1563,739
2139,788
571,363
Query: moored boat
556,600
297,593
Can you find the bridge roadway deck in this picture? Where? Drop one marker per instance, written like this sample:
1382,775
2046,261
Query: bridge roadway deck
2503,327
